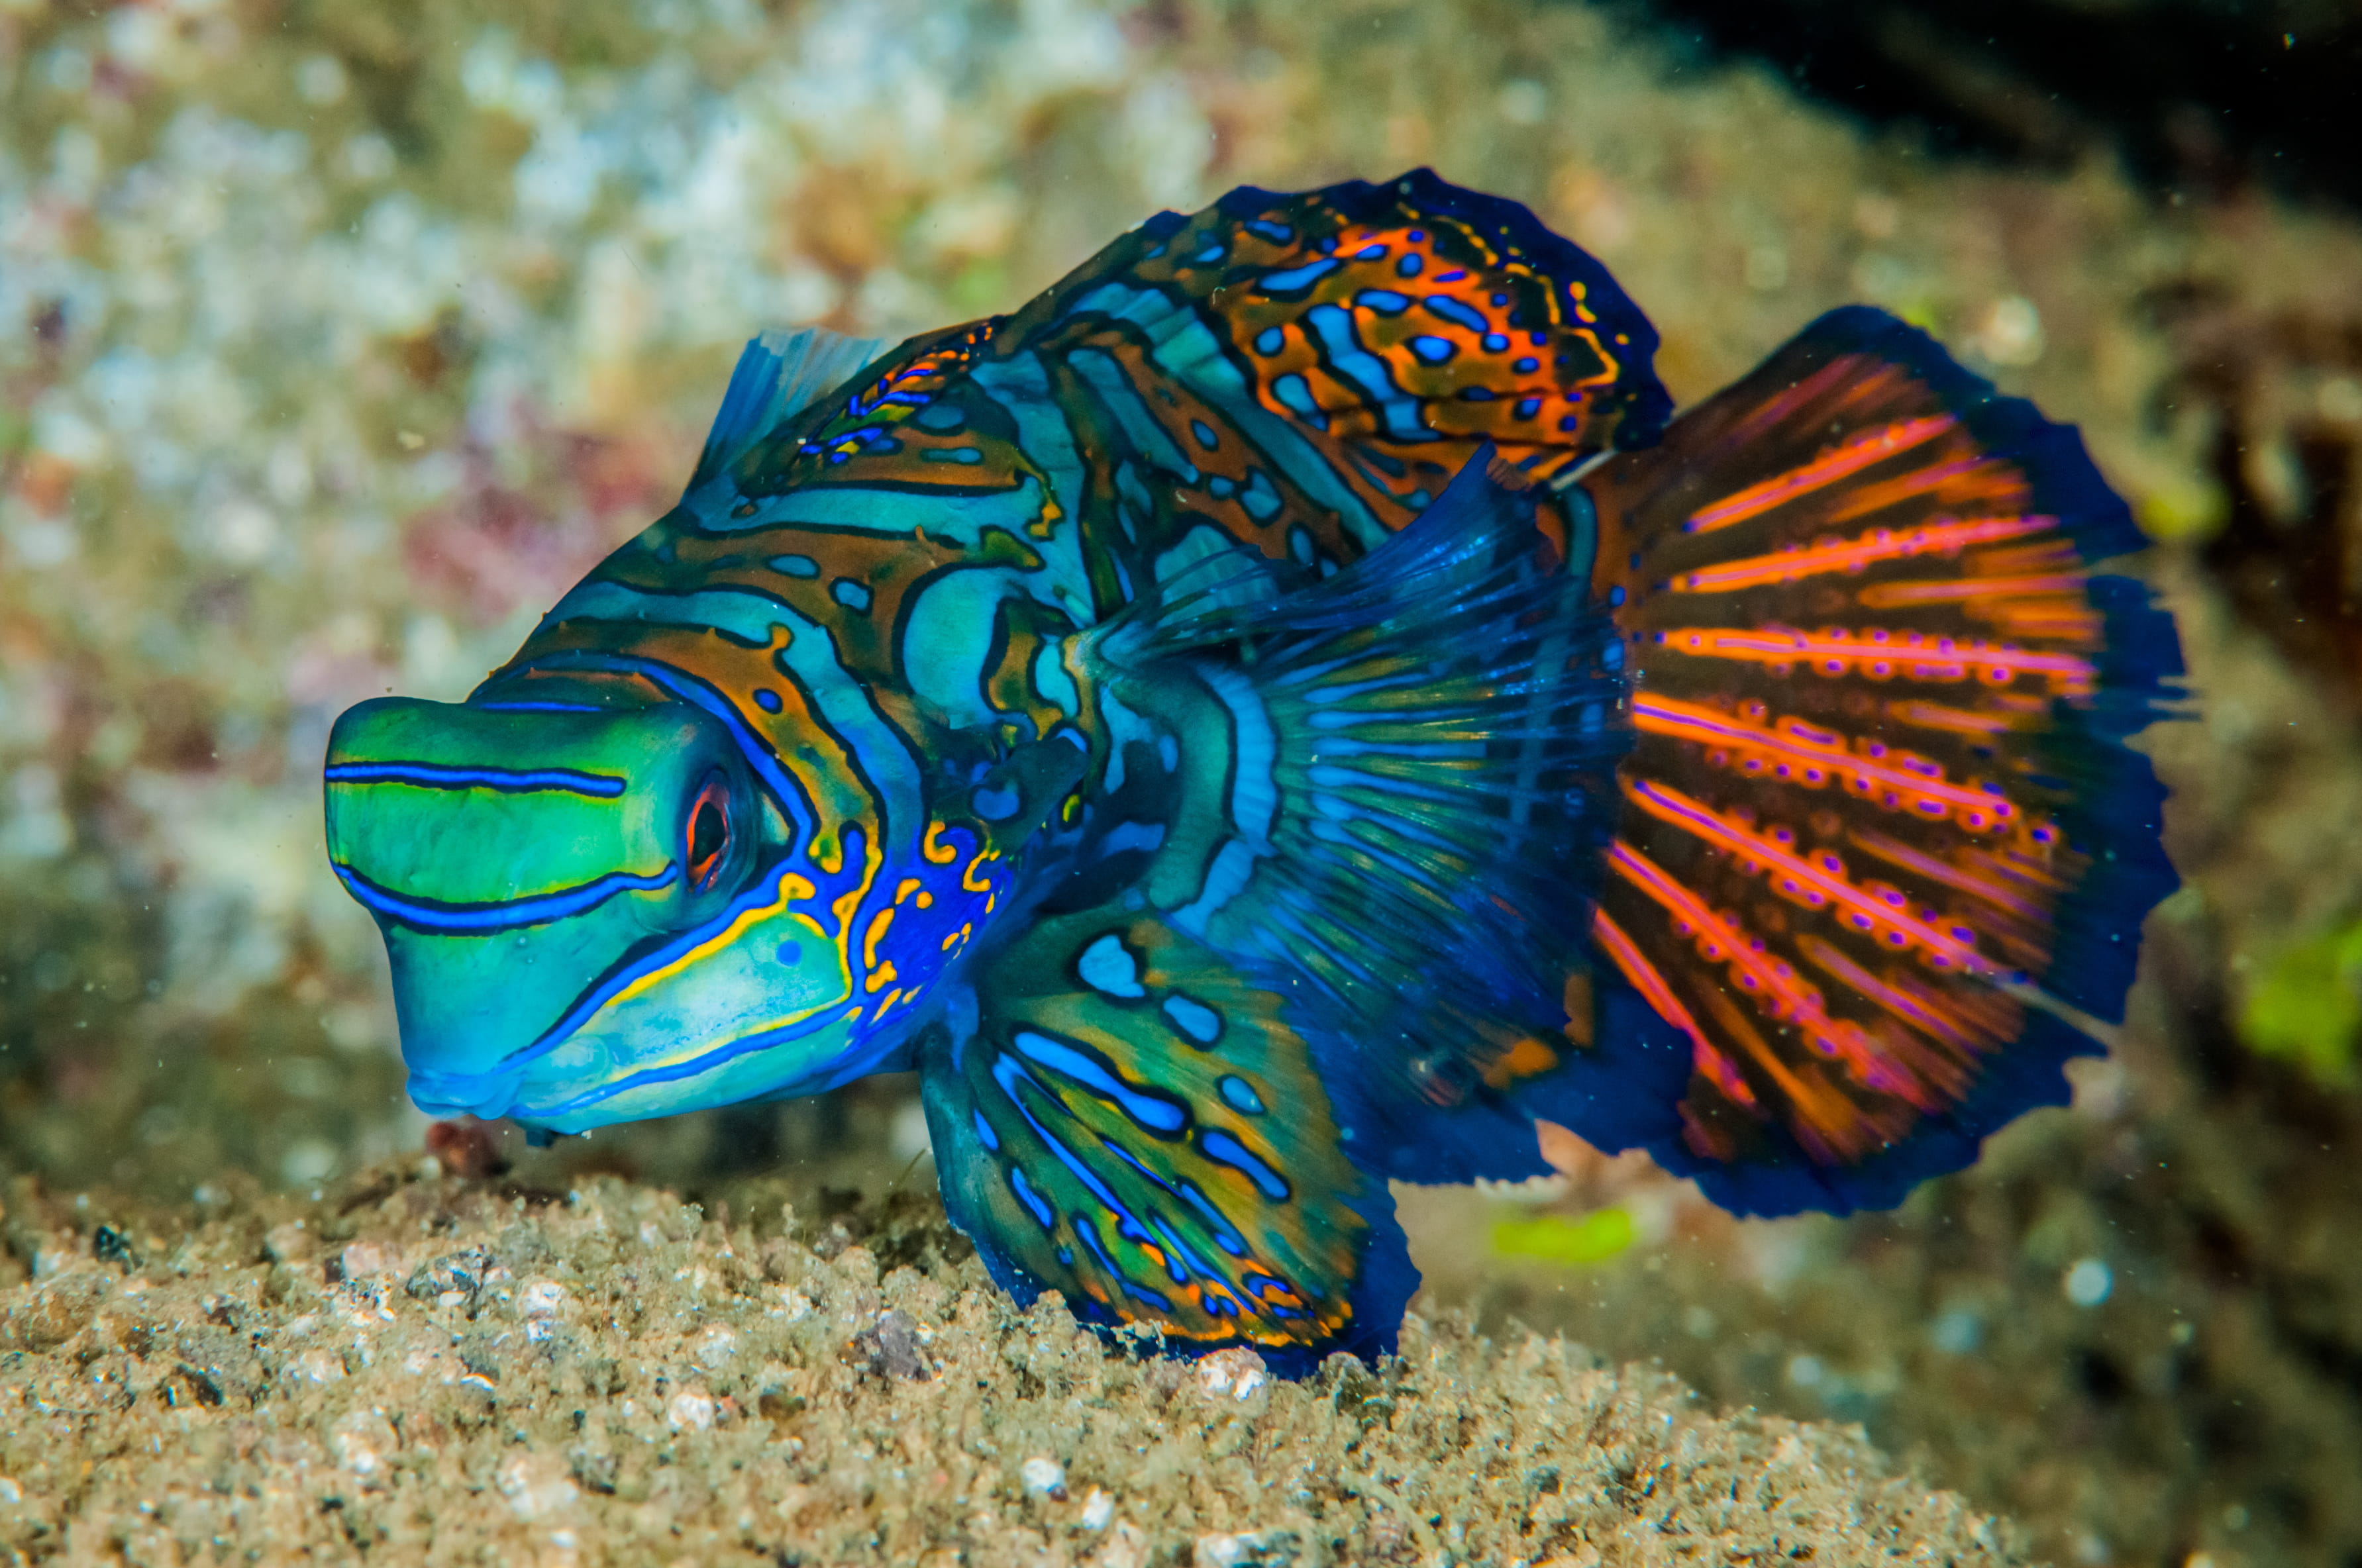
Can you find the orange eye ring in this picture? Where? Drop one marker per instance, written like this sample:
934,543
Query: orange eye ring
705,835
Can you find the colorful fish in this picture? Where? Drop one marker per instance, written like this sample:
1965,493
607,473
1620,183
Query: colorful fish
1281,713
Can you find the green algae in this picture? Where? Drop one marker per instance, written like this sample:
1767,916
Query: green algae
2306,1007
1566,1239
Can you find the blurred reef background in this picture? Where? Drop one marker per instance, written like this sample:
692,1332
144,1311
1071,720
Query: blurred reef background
339,336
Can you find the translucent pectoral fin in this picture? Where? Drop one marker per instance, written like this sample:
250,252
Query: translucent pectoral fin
1129,1121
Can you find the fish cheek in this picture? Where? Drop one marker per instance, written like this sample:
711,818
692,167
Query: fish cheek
807,965
748,1012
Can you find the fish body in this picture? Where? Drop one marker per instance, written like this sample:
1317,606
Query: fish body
1283,712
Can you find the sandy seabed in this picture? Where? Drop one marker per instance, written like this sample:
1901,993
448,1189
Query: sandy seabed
416,1368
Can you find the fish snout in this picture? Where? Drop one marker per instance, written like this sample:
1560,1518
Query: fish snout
511,854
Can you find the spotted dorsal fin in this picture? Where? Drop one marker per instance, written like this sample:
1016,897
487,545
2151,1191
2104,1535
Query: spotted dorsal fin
781,373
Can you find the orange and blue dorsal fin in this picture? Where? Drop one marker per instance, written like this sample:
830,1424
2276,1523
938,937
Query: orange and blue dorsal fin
1354,347
1880,839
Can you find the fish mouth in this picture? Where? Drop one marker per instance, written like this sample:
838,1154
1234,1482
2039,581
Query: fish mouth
577,1084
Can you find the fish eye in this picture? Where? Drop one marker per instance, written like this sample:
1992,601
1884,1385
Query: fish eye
708,831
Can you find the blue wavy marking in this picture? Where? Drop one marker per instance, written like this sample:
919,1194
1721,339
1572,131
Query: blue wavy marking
1296,277
1219,1146
1107,966
1181,1265
475,919
436,775
1031,1199
1151,1111
1132,1287
1193,1018
1457,312
1341,345
1008,1072
1225,1235
1240,1096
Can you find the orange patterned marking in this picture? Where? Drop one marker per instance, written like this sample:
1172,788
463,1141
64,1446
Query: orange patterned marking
1831,1127
1913,1010
1946,872
1885,654
1655,992
1826,469
1873,909
1773,983
1885,595
877,934
1854,554
1793,752
1955,720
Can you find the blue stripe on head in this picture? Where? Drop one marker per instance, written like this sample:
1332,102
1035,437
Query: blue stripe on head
476,919
436,775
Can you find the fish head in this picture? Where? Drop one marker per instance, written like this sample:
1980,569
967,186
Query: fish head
592,915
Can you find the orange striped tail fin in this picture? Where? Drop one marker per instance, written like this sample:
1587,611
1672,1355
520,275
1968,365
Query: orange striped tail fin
1880,818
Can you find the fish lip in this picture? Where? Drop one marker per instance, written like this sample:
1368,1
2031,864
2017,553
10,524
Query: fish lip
486,1095
806,1079
574,1100
769,882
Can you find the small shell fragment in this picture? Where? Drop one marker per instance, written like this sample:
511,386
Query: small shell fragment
1043,1477
1237,1372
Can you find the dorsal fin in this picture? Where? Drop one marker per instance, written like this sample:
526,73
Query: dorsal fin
782,372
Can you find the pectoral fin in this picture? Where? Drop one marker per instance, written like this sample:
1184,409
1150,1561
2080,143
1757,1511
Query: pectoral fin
1132,1122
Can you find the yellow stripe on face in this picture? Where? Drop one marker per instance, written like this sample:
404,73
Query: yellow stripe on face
818,985
792,889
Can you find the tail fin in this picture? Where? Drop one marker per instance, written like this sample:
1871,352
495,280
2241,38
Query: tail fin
1879,817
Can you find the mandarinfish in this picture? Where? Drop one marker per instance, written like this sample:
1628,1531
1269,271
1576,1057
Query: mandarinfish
1285,711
